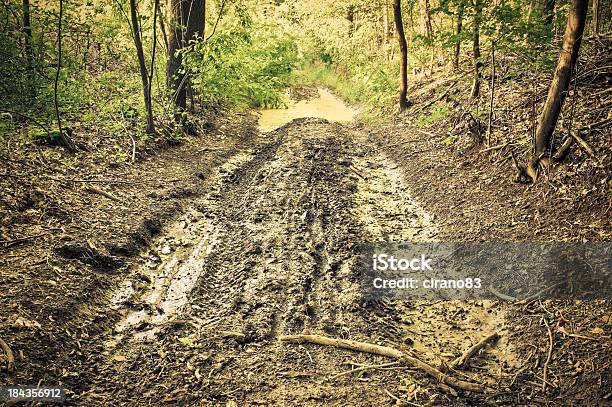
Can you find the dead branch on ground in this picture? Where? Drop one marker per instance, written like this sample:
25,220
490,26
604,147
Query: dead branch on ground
389,352
462,360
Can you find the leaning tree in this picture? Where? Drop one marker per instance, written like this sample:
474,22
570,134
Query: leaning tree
559,85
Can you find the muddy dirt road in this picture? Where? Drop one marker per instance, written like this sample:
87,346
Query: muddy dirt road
269,251
178,294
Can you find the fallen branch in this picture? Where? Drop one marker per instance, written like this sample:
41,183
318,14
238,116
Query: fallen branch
103,193
550,349
497,147
561,152
106,181
9,356
583,143
389,352
427,133
8,243
354,171
431,102
462,360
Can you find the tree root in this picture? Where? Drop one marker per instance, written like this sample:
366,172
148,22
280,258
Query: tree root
389,352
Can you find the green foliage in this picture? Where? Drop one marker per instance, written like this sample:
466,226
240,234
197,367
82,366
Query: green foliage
246,64
438,112
449,140
373,86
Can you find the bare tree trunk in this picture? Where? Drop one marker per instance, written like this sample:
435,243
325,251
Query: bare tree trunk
476,46
64,138
424,19
560,83
162,25
156,9
386,24
399,28
144,76
457,50
188,25
27,34
492,95
596,17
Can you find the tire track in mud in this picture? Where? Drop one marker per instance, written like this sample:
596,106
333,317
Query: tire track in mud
283,239
270,251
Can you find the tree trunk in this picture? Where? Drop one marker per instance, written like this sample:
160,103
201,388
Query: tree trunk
156,9
162,25
596,17
399,28
425,19
457,50
386,24
560,83
64,137
144,76
27,34
188,25
549,11
476,45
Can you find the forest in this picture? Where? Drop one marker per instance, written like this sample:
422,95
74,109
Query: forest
191,193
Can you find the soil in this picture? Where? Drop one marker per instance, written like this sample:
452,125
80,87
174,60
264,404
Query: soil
174,286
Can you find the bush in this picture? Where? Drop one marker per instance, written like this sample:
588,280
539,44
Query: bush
244,66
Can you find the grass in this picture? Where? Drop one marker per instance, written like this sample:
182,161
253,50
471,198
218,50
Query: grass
438,112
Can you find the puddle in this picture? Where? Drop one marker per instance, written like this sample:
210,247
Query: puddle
159,287
325,106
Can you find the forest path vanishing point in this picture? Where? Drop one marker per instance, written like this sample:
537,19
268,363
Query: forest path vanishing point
268,251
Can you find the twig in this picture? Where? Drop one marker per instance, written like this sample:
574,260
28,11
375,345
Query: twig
431,102
216,22
133,147
497,147
490,124
103,193
393,144
33,120
597,125
462,360
550,349
562,150
106,181
425,133
583,143
389,352
538,294
357,173
9,356
8,243
363,368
